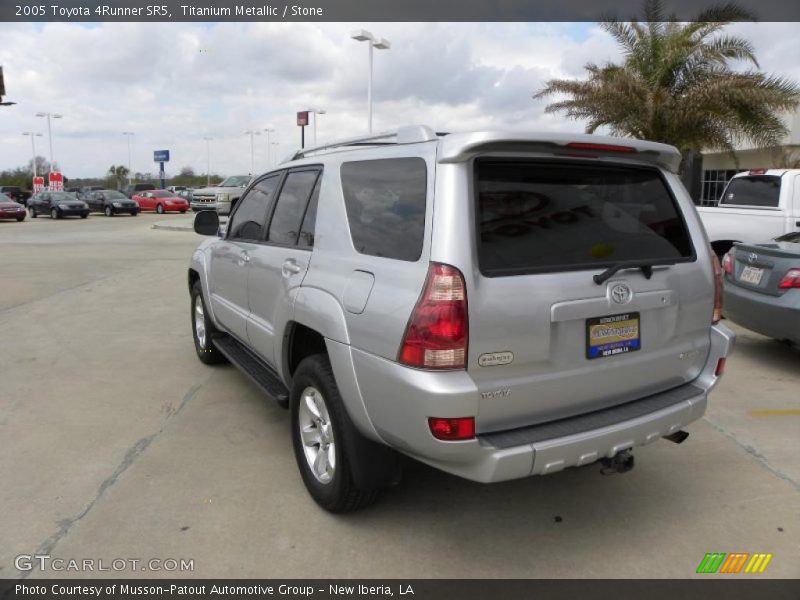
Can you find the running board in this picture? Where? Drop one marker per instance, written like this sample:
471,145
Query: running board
258,372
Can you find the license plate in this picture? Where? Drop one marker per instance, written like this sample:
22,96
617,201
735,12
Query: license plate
612,335
751,275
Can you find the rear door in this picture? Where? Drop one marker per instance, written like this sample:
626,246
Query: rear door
546,340
280,263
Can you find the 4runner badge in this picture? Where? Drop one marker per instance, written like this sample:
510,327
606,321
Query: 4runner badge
494,359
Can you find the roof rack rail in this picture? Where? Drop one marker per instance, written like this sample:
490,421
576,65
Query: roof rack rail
410,134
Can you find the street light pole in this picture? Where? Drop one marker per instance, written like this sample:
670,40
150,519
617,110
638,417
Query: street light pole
208,160
362,35
252,133
33,148
276,144
50,132
128,135
268,131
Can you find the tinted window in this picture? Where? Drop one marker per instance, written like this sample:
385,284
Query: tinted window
549,216
310,219
291,206
385,202
753,191
247,223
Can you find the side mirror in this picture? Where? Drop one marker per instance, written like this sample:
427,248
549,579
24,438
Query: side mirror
206,222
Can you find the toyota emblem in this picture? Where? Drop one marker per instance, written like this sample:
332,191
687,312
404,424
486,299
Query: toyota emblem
621,293
753,257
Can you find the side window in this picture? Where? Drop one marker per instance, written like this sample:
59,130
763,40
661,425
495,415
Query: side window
288,216
385,201
306,239
247,223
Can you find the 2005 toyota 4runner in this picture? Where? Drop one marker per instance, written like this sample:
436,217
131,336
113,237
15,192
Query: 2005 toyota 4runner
494,304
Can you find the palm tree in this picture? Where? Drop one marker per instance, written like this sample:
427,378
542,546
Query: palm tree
676,86
118,174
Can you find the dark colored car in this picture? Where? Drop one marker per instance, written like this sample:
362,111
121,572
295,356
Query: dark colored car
15,192
111,202
135,188
57,205
762,287
10,209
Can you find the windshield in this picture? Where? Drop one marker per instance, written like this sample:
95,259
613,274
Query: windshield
62,197
235,181
114,195
753,191
549,216
161,194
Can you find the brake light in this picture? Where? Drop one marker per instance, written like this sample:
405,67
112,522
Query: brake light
462,428
790,280
716,315
727,263
437,332
720,367
600,147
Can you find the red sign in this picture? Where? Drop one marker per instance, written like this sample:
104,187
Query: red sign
56,182
38,184
302,118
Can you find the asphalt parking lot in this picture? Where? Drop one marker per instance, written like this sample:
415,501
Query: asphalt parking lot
118,443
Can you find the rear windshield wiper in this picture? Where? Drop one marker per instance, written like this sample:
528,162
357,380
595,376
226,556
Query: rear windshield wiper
645,265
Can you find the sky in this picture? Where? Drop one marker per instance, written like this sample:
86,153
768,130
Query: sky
173,84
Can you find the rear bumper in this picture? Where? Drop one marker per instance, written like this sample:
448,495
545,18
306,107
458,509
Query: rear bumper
774,316
399,401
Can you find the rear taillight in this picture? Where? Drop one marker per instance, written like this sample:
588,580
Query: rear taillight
727,263
437,332
462,428
790,280
716,315
720,368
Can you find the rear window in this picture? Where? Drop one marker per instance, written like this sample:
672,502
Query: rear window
548,216
385,202
753,191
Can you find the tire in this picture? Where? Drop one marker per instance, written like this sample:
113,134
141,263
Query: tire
109,212
33,212
204,346
20,218
54,214
160,209
84,216
183,212
318,411
134,213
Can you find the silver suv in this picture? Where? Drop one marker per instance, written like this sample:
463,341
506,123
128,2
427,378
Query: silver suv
494,304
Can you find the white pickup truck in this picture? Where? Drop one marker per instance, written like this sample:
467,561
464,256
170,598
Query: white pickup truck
756,206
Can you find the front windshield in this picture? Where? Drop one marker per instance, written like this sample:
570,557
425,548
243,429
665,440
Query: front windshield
114,195
161,194
62,197
235,181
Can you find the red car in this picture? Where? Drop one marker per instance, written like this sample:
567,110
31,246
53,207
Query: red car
161,201
10,209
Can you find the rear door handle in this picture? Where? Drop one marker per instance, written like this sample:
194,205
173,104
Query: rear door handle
290,267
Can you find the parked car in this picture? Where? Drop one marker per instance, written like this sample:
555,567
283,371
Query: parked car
176,188
111,202
9,209
161,201
756,205
57,205
131,190
222,197
15,193
494,304
762,287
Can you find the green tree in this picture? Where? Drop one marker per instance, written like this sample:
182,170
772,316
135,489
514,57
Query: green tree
675,85
117,174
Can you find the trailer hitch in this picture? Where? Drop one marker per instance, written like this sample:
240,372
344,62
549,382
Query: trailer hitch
621,462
